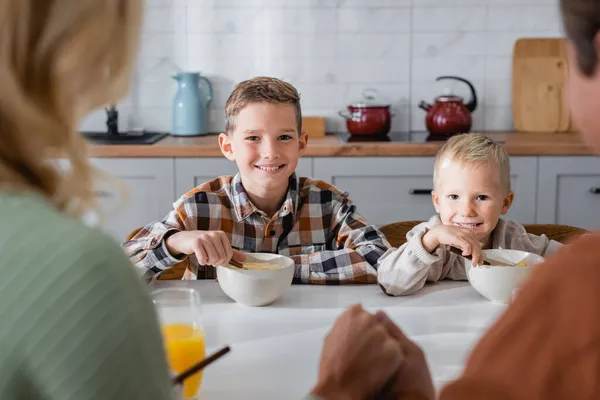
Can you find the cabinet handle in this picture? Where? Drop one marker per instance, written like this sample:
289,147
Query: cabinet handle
420,191
595,190
103,194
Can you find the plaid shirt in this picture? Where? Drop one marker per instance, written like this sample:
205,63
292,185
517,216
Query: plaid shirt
317,226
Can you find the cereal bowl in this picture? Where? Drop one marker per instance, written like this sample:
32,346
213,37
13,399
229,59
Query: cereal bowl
497,283
258,286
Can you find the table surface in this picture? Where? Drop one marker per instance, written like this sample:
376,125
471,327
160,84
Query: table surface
276,349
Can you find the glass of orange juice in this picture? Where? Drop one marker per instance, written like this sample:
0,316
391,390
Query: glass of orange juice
179,313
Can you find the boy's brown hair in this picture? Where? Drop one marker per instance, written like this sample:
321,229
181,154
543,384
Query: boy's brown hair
258,90
581,20
472,148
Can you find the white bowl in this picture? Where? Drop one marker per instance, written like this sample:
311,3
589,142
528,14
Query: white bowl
255,287
497,283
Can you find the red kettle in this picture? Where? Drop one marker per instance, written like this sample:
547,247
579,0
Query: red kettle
449,115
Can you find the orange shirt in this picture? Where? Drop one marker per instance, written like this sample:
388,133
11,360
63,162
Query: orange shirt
547,345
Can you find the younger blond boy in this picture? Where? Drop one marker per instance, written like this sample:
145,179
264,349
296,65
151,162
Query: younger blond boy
471,192
265,207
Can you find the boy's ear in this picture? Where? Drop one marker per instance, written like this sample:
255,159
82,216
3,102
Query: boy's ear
436,201
225,145
507,202
302,142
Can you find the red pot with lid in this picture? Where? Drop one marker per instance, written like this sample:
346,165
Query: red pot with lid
369,115
449,114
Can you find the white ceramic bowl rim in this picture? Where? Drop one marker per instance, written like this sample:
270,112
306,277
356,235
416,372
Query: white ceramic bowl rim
257,287
288,262
511,256
497,283
283,261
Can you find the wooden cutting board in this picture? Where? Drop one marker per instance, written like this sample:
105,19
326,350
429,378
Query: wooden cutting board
314,126
538,86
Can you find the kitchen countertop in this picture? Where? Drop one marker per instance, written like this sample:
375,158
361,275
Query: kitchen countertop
275,349
413,144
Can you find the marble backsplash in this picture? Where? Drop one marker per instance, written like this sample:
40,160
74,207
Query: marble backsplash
332,50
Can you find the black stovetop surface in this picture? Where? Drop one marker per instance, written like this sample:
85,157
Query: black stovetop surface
395,137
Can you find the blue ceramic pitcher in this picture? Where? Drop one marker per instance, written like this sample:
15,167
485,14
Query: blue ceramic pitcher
190,106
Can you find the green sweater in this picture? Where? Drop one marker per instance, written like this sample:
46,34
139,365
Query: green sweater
76,322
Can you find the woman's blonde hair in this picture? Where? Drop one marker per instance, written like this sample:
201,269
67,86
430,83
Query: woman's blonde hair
59,60
471,148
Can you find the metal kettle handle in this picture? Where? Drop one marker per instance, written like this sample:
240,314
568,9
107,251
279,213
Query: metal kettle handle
472,104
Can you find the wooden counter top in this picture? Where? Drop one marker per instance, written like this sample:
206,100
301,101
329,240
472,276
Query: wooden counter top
518,144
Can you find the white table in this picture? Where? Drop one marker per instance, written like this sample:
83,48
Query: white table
276,349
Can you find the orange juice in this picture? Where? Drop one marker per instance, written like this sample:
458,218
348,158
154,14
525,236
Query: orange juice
184,345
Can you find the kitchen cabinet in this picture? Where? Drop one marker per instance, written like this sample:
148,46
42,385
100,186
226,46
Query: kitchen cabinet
523,181
384,189
143,191
390,189
569,191
548,189
191,172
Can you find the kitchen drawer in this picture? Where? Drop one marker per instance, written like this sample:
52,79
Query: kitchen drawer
569,191
384,189
523,181
148,195
138,191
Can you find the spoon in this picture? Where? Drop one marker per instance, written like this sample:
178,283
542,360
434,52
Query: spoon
488,261
458,251
237,264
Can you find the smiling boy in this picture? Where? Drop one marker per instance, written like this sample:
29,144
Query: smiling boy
471,191
265,207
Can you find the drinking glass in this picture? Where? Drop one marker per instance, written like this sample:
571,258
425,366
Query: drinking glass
179,313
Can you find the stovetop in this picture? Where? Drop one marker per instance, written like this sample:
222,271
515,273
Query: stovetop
125,137
396,137
401,137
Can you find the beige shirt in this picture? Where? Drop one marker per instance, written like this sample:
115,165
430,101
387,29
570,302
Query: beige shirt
405,270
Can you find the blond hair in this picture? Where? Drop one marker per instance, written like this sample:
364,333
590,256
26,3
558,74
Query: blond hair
261,89
59,60
472,148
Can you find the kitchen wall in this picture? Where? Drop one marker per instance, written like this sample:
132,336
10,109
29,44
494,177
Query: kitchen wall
332,50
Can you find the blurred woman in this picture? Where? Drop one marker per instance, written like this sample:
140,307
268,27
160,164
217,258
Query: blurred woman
75,320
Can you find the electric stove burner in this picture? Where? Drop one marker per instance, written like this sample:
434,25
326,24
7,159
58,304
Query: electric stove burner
400,137
438,137
368,138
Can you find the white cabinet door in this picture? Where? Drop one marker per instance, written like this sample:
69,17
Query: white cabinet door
523,181
148,195
391,189
191,172
384,189
569,191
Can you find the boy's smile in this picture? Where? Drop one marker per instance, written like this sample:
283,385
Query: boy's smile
270,168
471,225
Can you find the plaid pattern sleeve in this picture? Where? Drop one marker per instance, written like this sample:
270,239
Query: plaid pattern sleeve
147,249
209,206
353,248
